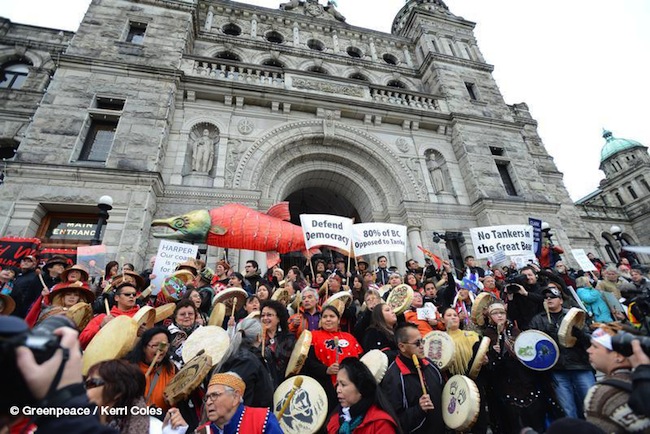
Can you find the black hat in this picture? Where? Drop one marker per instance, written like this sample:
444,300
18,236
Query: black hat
553,291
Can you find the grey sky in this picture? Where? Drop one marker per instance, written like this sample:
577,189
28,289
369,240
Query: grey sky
580,65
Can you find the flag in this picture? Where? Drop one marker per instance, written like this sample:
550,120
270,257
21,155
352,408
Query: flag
436,259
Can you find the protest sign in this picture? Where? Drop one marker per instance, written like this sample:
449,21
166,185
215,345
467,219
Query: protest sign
12,249
498,258
378,238
537,235
170,254
93,258
583,261
326,230
511,239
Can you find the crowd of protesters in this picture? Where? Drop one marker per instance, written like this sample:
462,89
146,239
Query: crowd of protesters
592,383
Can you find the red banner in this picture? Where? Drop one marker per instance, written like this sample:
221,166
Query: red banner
12,249
70,254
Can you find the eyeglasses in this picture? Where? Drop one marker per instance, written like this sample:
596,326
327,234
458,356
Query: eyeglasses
268,315
212,396
93,382
417,343
128,294
550,297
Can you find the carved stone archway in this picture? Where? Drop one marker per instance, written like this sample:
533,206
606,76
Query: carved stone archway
351,160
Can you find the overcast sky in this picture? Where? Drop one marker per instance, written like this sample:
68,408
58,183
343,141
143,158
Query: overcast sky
580,65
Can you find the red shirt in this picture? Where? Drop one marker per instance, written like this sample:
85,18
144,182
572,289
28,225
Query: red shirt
325,348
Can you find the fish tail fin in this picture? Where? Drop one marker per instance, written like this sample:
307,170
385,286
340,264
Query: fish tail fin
272,259
280,210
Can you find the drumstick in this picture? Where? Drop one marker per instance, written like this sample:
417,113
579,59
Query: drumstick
548,313
296,385
416,362
40,277
108,309
234,306
160,349
336,348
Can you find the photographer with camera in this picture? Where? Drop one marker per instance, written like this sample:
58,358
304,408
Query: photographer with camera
572,374
42,368
606,404
524,297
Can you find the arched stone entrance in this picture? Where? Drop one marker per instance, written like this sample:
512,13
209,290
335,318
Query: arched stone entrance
337,160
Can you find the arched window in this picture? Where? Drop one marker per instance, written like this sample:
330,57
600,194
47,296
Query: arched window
316,45
317,70
274,37
358,76
354,52
390,59
231,29
273,62
228,55
14,74
396,83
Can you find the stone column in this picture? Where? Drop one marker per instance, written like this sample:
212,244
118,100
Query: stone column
296,35
415,240
254,26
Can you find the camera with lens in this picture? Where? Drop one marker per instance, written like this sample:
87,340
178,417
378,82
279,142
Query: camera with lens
512,281
14,333
622,343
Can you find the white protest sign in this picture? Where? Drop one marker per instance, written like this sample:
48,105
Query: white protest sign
523,260
326,230
378,238
170,254
498,258
511,239
583,261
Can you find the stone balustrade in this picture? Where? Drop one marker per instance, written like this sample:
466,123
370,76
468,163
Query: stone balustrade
403,97
221,70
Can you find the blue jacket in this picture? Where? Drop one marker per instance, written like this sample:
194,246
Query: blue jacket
595,304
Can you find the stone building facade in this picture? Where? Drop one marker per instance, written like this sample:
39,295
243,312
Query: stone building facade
174,105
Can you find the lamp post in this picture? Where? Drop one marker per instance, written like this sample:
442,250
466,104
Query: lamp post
617,231
105,204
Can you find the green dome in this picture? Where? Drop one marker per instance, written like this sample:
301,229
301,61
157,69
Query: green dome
614,146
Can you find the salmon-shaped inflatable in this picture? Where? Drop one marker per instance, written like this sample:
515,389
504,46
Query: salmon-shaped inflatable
236,226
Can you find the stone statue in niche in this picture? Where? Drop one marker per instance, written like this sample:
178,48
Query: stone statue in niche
203,153
435,165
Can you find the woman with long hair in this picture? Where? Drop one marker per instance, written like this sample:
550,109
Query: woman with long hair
329,346
380,334
154,344
278,341
359,288
516,399
466,343
412,280
120,385
362,408
264,291
244,358
112,269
